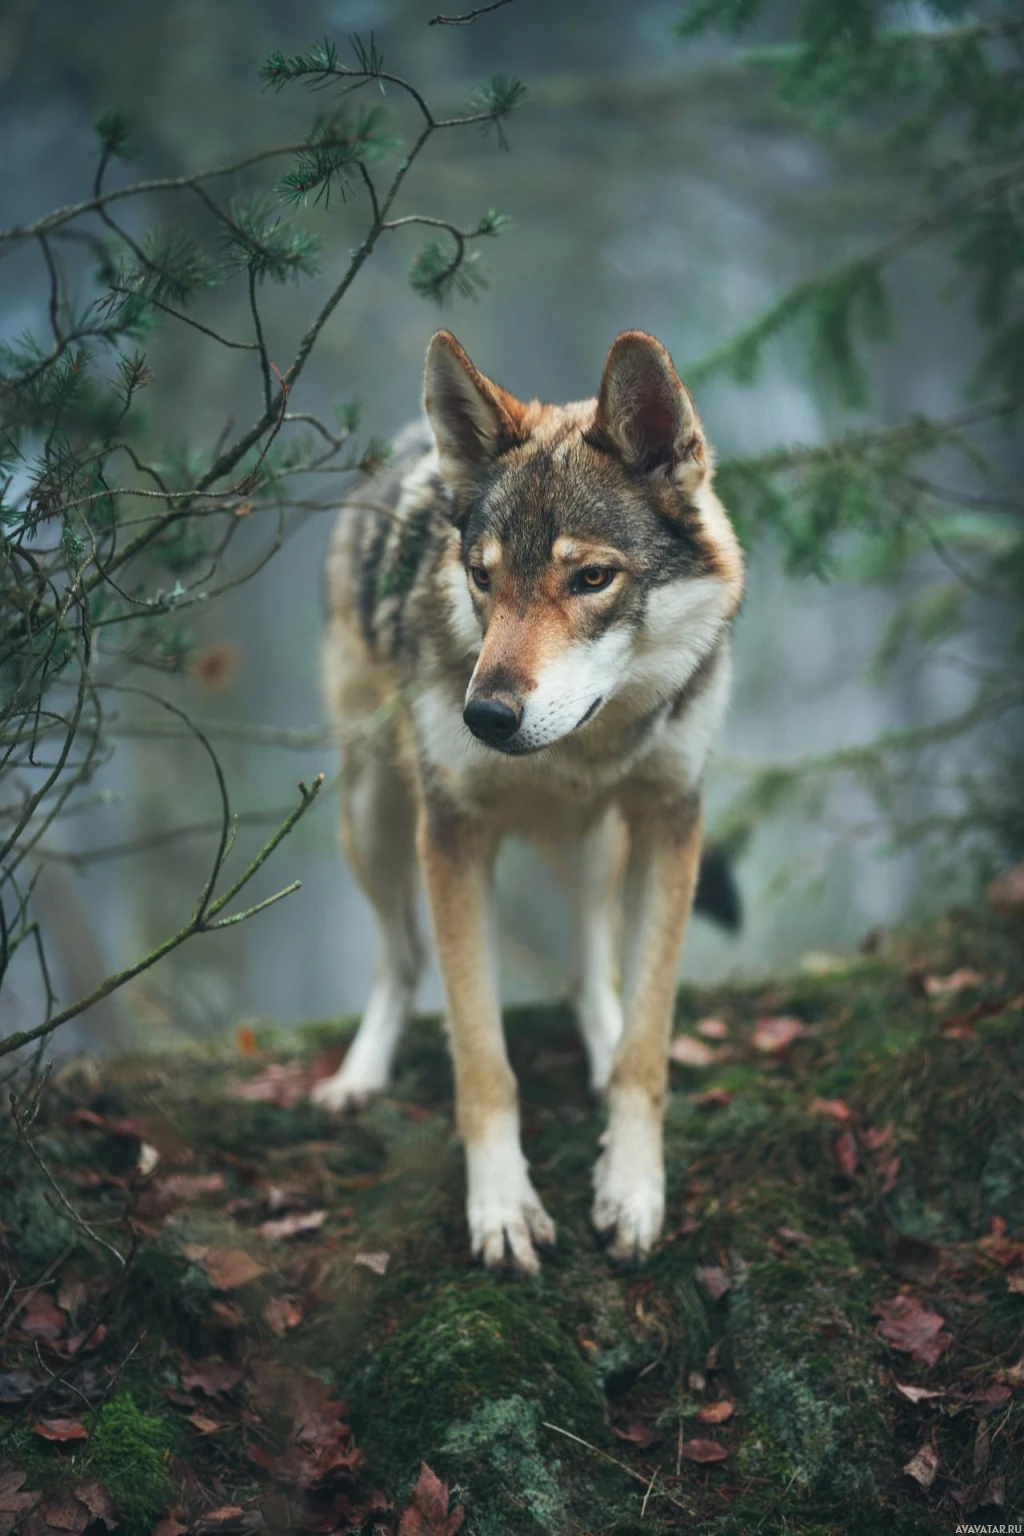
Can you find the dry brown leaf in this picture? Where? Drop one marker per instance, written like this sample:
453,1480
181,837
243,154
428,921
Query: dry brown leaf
845,1150
14,1501
60,1429
836,1109
713,1029
203,1422
1015,1282
923,1466
227,1268
377,1262
689,1052
714,1098
702,1450
170,1525
774,1034
1006,894
41,1319
211,1377
294,1225
716,1413
916,1394
281,1314
909,1327
956,981
428,1513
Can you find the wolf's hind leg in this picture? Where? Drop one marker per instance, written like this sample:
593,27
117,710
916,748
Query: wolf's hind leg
378,832
596,875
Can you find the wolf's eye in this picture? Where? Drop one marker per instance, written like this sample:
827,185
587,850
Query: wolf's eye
481,577
593,577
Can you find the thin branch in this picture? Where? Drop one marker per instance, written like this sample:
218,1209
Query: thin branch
469,17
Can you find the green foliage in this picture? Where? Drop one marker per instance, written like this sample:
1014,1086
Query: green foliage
108,521
883,503
336,145
129,1452
497,100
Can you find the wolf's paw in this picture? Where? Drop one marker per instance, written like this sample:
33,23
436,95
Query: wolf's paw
506,1228
629,1194
346,1092
507,1223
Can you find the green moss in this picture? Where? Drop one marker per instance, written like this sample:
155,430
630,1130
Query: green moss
494,1454
474,1343
129,1452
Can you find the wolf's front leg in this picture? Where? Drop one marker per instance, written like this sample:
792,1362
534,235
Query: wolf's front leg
629,1180
507,1222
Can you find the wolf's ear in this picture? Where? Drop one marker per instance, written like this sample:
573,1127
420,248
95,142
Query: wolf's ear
645,414
472,419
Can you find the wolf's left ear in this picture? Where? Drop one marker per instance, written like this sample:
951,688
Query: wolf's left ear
472,419
645,414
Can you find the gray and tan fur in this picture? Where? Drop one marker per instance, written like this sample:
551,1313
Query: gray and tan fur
529,633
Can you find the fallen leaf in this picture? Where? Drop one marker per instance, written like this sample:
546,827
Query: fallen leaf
378,1262
713,1279
225,1314
714,1098
716,1413
774,1034
148,1158
889,1172
211,1377
60,1429
1014,1374
203,1422
845,1151
41,1319
638,1434
1006,894
907,1326
217,1519
923,1466
1015,1282
713,1029
63,1511
689,1052
227,1268
836,1110
428,1513
956,981
791,1235
294,1225
991,1398
702,1450
99,1502
916,1394
876,1137
170,1525
14,1502
280,1083
173,1188
281,1313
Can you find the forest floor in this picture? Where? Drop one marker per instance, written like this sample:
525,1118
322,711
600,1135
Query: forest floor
227,1313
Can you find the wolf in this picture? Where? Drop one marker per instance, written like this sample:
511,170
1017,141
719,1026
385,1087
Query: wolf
529,621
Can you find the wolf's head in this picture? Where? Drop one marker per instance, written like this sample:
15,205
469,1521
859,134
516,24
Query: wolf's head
598,560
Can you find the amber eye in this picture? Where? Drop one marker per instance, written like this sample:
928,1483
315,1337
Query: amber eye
481,577
593,577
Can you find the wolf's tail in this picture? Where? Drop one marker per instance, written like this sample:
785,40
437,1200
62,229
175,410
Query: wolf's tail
718,896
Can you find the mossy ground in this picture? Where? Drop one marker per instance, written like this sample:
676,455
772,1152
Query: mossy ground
562,1404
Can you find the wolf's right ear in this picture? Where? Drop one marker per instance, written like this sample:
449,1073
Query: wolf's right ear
471,418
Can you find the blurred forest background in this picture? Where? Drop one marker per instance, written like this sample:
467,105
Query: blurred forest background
654,181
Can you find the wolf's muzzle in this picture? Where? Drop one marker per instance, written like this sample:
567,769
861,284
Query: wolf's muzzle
492,721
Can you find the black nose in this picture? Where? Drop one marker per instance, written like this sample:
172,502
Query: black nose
491,721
